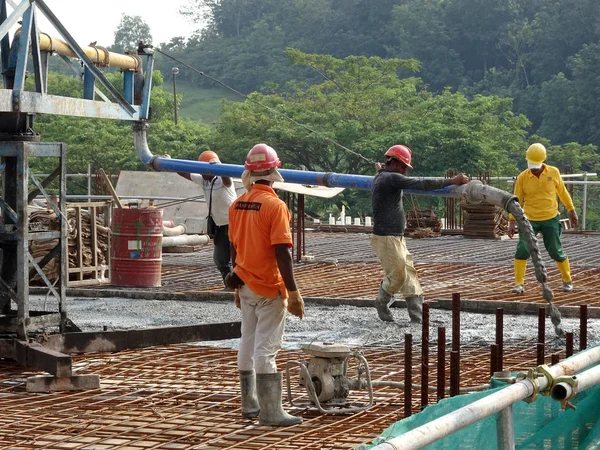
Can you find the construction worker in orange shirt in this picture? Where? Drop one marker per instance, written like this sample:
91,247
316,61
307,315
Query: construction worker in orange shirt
537,188
264,283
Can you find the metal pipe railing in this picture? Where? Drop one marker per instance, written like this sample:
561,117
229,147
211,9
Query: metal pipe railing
565,390
457,420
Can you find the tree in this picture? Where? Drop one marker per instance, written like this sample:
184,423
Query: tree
363,106
130,31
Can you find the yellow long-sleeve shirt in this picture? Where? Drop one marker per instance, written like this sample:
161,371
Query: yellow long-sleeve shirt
537,195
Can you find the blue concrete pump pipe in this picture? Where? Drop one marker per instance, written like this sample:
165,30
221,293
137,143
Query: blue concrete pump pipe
473,191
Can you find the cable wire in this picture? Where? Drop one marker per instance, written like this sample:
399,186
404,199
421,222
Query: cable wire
273,110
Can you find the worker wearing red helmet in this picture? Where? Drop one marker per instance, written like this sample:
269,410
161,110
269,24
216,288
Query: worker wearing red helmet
389,223
219,193
266,289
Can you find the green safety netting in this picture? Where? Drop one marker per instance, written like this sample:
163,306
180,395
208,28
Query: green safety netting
541,424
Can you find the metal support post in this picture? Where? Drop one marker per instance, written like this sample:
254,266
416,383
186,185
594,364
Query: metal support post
89,83
175,71
89,183
16,235
584,207
505,429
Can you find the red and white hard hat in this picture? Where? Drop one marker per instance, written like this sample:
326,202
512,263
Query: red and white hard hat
262,157
401,153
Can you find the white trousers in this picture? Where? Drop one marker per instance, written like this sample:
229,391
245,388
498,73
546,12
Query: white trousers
397,264
263,322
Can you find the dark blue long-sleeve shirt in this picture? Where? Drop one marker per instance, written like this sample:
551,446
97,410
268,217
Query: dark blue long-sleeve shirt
386,197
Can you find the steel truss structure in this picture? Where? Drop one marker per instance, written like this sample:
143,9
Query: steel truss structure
18,144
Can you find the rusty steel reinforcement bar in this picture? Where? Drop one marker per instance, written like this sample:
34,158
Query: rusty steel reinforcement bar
474,192
493,403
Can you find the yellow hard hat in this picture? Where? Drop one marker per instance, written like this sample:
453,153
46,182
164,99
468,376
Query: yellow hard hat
535,156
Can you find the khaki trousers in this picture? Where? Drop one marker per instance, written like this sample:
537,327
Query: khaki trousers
397,263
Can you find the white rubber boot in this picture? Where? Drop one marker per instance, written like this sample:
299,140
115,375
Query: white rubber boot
268,386
250,406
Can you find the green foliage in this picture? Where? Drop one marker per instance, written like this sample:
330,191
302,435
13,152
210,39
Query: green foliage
200,103
130,31
108,144
363,105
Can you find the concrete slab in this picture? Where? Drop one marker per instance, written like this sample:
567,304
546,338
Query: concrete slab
49,383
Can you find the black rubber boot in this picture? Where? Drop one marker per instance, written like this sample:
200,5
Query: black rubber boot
415,308
382,303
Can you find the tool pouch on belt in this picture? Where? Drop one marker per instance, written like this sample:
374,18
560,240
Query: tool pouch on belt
211,226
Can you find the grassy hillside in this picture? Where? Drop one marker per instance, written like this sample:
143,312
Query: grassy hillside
200,103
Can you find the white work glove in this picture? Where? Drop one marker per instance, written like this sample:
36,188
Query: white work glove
295,304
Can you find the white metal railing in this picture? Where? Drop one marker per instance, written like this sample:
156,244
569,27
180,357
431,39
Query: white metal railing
540,380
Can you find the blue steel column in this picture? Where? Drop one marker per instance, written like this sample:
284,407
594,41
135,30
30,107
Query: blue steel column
145,108
128,85
89,83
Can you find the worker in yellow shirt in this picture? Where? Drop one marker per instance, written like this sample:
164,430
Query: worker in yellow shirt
537,189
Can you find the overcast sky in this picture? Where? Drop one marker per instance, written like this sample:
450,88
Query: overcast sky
89,21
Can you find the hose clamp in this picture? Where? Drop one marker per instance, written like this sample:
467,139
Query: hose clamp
545,371
532,376
106,61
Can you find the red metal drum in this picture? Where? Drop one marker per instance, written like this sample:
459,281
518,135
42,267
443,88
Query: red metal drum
136,247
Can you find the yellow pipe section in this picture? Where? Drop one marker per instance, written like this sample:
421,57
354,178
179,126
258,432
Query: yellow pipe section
99,55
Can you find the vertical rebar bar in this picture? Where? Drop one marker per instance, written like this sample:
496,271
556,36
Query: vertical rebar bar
539,353
454,373
555,358
425,357
456,322
569,345
441,366
500,337
542,325
493,359
583,318
407,374
541,336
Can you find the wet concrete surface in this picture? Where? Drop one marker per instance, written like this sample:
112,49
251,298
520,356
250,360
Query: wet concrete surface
354,326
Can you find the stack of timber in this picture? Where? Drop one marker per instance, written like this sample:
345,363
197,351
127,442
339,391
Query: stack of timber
483,221
88,243
422,223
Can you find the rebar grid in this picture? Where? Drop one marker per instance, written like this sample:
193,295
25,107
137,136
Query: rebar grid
187,397
357,280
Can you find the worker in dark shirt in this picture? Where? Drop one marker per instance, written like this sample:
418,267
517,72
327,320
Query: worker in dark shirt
388,229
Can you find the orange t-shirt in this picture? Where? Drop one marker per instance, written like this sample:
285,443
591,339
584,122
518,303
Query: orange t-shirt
258,220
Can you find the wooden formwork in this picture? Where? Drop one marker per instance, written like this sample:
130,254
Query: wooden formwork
97,269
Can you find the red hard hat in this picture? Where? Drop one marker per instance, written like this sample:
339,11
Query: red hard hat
262,157
209,157
401,153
